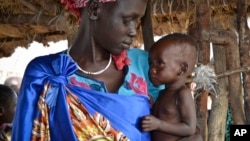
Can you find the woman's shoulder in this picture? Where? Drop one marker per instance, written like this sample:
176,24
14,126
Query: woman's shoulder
137,51
45,58
137,54
138,57
45,61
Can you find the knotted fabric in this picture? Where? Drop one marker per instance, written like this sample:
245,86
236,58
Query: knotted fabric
49,108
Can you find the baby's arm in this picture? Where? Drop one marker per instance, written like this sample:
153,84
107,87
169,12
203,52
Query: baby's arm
187,111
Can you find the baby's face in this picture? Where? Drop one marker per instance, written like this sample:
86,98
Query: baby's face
164,64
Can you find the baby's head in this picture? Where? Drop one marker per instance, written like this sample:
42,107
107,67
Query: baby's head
175,53
8,99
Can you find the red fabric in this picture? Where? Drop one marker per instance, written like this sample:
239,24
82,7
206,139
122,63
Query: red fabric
121,60
74,6
138,84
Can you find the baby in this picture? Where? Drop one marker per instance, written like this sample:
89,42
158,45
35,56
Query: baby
172,59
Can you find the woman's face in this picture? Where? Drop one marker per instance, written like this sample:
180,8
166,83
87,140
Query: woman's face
116,24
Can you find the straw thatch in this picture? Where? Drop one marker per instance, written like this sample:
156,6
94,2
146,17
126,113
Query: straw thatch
24,21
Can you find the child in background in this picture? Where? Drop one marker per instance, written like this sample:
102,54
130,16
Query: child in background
14,82
172,59
8,99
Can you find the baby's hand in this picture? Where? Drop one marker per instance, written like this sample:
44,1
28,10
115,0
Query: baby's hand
150,123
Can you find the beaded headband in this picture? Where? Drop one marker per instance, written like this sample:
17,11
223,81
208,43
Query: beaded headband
74,5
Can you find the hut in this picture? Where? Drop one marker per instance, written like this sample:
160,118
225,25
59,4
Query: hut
222,23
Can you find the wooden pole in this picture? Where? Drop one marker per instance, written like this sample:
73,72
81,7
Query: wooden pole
147,28
244,44
202,24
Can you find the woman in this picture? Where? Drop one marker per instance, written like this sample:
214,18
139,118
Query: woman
97,89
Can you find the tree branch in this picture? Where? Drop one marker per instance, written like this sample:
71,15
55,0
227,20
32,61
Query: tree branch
230,72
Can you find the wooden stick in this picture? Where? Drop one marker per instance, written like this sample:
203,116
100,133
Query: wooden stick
230,72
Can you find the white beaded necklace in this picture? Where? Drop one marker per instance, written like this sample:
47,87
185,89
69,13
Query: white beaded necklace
92,73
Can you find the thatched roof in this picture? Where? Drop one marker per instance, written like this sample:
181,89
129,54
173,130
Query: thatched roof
25,21
178,15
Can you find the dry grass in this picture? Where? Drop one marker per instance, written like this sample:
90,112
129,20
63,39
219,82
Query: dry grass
28,20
